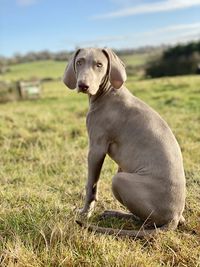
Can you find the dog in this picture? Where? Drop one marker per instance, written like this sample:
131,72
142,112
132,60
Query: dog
150,181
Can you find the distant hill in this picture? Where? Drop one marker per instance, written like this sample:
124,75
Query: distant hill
64,55
157,61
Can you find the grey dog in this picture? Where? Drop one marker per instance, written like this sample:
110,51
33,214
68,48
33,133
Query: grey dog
150,181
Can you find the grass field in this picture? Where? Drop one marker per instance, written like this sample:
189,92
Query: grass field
135,59
43,168
37,69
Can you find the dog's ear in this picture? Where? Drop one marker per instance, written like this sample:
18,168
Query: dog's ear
116,68
69,77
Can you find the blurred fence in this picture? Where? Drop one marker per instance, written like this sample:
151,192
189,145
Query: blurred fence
20,90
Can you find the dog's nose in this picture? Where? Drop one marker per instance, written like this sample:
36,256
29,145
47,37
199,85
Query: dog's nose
83,87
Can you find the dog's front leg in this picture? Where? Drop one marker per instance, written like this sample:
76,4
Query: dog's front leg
95,162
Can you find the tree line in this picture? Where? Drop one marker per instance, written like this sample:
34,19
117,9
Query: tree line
63,55
34,56
177,60
18,58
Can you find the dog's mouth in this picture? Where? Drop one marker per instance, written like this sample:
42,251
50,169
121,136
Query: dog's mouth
82,91
83,87
86,90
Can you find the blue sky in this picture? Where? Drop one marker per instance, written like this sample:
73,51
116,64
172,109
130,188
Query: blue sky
34,25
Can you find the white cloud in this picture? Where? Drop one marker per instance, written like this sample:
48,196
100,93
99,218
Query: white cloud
167,35
155,7
175,28
26,2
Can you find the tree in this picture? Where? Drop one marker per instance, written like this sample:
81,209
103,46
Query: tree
177,60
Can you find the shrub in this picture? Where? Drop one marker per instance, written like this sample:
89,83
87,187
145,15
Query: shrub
178,60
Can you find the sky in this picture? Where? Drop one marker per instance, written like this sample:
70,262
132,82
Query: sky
56,25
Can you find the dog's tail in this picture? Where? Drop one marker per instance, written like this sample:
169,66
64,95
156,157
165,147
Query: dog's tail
130,233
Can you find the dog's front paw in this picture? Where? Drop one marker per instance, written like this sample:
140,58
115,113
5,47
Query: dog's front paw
82,211
85,213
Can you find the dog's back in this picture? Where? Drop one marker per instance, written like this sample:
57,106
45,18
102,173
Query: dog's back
141,142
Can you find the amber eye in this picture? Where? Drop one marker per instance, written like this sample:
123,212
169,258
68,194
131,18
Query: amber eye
99,65
78,62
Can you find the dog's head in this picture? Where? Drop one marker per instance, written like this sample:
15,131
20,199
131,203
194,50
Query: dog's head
88,68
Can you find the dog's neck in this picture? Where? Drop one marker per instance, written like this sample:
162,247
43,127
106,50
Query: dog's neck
104,88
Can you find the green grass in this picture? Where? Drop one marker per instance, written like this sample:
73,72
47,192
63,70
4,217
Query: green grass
43,168
135,59
38,69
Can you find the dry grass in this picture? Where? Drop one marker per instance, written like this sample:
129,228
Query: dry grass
43,147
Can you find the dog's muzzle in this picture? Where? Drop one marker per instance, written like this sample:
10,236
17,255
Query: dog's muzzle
82,87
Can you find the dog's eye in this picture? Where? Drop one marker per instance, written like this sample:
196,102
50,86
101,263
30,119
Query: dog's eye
78,62
99,65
